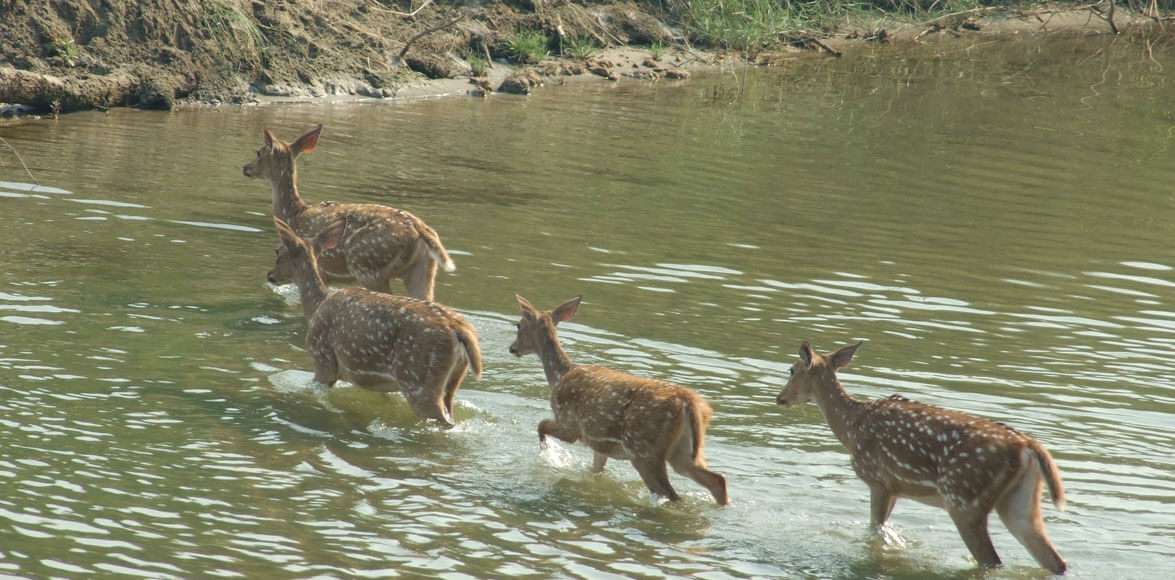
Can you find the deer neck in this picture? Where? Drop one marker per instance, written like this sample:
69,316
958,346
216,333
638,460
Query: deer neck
312,288
556,363
286,202
840,411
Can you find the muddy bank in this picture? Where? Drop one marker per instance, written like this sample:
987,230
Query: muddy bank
72,55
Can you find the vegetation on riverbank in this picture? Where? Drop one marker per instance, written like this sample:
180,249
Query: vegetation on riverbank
77,54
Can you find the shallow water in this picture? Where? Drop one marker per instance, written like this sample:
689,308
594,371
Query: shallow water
995,220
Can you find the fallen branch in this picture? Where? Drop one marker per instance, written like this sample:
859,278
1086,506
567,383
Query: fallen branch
426,32
1051,11
404,14
600,23
928,30
934,21
825,47
21,159
1109,17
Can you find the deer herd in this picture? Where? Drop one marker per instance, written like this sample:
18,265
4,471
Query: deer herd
376,339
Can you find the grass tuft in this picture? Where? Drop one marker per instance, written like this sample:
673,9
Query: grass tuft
478,65
528,47
580,47
657,50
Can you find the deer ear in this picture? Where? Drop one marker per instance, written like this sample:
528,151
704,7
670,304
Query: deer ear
841,358
306,143
286,233
565,311
527,307
806,355
269,138
330,237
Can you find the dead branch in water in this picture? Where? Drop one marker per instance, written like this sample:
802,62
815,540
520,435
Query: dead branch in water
427,32
21,160
1108,16
379,7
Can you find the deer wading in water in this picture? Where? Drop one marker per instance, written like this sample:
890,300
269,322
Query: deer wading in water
382,243
961,463
378,341
620,416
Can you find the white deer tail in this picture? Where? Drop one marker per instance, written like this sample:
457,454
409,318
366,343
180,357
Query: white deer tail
432,242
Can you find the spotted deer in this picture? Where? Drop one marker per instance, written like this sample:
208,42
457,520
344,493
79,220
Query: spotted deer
378,341
964,464
382,244
620,416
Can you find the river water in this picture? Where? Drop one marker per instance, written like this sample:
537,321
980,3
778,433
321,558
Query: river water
994,219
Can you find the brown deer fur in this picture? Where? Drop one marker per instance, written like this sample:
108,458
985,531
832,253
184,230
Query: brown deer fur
620,416
959,462
375,340
382,243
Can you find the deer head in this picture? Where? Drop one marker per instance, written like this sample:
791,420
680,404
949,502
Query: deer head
535,324
296,258
275,159
813,372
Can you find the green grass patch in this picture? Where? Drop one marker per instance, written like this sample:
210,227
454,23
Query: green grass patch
527,46
478,65
580,47
657,50
66,48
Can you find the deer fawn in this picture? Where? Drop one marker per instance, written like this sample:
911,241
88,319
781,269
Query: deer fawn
646,421
959,462
376,340
383,243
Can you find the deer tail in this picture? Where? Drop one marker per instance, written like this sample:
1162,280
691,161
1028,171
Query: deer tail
1052,475
698,415
468,339
432,242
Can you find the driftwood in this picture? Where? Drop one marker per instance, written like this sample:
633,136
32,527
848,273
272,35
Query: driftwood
427,32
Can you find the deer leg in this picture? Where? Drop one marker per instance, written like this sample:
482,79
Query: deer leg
433,399
421,277
656,477
1019,509
326,367
553,429
683,462
972,526
881,504
599,460
455,380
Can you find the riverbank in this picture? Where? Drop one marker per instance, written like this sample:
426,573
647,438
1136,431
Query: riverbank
69,55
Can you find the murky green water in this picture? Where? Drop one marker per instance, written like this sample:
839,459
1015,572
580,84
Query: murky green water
996,220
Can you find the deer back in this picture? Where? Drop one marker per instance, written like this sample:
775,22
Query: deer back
394,336
902,445
378,240
639,413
